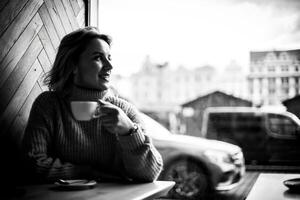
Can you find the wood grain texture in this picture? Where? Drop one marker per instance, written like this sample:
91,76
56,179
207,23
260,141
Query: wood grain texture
19,124
80,3
63,16
60,29
30,33
44,61
20,96
20,71
17,26
10,11
81,18
15,53
3,4
50,28
50,51
70,14
75,7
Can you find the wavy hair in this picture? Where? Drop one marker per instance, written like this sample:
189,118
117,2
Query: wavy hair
60,77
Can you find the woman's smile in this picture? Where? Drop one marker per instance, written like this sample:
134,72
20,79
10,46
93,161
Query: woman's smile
105,75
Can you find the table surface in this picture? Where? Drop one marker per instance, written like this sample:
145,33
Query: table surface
269,186
102,191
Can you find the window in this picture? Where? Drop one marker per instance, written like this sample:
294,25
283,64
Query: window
282,126
284,68
260,85
283,56
285,81
235,126
271,68
236,39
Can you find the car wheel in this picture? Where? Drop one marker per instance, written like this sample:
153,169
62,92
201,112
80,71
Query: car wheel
191,180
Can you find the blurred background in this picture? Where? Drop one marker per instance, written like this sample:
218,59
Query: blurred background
174,58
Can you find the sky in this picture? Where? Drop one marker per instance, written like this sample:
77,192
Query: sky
193,33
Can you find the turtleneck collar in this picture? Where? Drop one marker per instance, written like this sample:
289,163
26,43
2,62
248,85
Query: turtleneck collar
80,93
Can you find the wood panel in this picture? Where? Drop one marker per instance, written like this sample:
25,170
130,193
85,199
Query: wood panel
50,51
20,96
30,32
50,28
44,61
60,29
18,25
75,7
70,14
10,13
2,4
19,124
63,16
19,48
13,82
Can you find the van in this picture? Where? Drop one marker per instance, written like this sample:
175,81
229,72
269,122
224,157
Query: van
266,137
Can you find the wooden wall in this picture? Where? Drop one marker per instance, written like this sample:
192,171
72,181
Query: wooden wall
30,32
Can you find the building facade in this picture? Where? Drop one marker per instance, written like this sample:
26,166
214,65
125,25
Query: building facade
274,76
233,81
158,88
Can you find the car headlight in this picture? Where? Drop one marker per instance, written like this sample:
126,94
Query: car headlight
218,156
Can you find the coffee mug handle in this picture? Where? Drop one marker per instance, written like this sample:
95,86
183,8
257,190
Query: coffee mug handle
97,112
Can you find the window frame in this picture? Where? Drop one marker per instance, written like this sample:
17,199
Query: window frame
92,17
279,135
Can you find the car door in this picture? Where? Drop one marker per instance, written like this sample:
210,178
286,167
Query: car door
283,144
244,129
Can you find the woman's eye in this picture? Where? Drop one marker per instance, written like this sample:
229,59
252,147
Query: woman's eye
99,58
102,58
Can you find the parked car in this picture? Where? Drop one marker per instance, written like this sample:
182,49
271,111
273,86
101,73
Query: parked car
267,137
197,165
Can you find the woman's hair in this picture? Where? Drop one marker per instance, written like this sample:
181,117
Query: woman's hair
61,76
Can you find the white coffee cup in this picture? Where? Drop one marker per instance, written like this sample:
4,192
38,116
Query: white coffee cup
85,110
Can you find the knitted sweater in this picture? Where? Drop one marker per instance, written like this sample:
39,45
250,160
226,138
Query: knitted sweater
58,146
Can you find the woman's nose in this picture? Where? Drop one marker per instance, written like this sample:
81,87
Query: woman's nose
108,65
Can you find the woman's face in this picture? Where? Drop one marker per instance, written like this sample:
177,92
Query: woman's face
94,67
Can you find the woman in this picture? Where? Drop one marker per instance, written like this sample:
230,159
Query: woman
57,146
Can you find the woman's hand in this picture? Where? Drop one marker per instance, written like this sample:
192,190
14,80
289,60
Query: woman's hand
114,119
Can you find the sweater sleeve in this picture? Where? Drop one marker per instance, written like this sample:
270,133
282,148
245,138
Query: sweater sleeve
38,142
141,159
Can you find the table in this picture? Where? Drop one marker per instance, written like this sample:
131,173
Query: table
269,186
102,191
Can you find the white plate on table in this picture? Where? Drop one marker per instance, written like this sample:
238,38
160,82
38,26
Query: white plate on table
75,184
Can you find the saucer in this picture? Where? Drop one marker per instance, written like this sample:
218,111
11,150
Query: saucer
292,184
75,184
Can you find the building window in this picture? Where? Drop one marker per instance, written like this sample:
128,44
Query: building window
282,126
260,69
271,68
284,68
285,91
260,85
285,81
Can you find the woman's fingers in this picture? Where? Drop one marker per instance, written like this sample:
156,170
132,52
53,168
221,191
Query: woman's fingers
114,118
